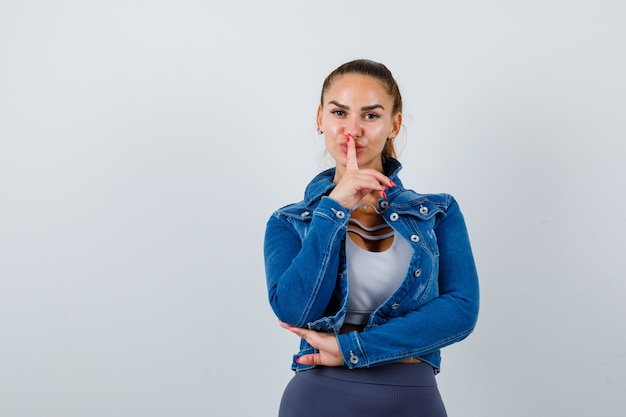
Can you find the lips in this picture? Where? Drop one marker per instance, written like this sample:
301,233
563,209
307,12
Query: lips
344,147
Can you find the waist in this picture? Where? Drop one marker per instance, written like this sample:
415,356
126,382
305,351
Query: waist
410,360
392,374
347,327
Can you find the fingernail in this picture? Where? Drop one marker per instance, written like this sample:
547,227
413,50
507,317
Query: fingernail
384,195
393,184
348,137
297,360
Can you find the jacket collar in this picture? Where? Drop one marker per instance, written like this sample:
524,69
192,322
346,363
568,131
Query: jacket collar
323,184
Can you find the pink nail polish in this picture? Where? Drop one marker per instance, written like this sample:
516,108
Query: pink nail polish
393,184
297,360
384,195
348,137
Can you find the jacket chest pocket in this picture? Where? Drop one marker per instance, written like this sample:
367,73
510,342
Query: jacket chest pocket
418,219
425,284
422,234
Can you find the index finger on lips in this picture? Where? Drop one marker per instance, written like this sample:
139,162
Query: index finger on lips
351,162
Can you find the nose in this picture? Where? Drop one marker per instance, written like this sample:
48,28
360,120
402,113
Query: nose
353,127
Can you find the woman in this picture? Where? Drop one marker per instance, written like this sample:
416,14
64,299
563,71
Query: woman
373,277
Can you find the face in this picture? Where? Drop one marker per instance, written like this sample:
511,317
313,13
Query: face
359,105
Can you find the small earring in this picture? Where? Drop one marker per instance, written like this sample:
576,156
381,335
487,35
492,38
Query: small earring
319,131
391,139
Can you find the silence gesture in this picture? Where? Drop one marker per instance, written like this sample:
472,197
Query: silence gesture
357,183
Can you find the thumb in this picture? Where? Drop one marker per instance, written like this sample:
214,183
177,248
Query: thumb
310,359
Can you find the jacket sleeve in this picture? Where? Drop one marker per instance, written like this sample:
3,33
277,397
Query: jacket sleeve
446,319
302,272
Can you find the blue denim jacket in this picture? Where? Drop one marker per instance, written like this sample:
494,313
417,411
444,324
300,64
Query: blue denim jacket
436,304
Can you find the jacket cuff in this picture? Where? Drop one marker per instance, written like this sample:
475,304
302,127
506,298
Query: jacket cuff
332,210
351,350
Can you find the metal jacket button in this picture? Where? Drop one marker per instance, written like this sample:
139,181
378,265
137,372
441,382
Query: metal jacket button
424,210
415,238
353,358
394,217
418,272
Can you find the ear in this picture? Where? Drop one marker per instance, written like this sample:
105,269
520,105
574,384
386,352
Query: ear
396,124
319,116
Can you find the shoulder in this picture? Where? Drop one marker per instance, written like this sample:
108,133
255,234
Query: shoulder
292,208
314,192
409,198
424,206
299,211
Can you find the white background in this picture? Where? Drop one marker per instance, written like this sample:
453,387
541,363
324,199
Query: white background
144,144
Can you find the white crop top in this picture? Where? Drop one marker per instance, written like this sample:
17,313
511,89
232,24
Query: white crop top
374,276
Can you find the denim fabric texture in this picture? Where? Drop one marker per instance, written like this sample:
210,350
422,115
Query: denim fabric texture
436,305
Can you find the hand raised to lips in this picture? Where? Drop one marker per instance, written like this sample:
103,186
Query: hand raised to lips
356,183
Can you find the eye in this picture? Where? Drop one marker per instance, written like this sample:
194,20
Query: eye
371,116
338,113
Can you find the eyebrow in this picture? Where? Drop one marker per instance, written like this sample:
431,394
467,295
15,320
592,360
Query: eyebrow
365,108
